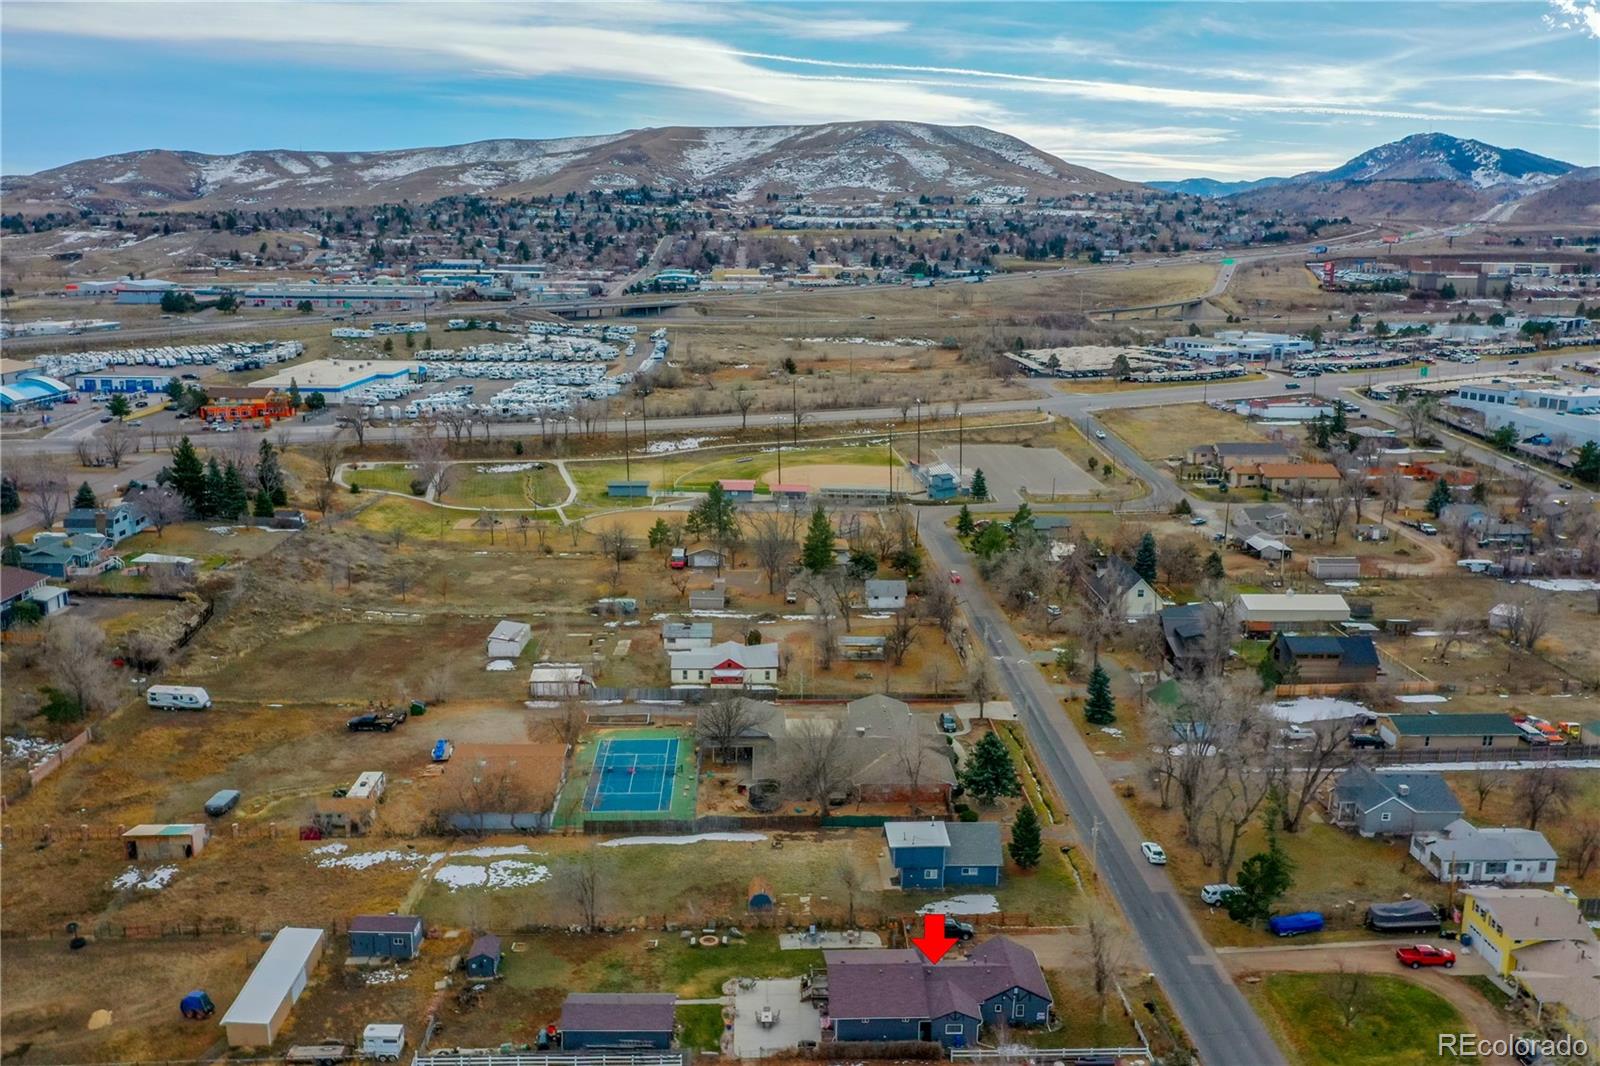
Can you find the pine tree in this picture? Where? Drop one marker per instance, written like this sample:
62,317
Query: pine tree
10,498
989,773
1340,425
263,508
1101,707
1021,524
991,542
1026,846
269,475
1587,466
1439,498
980,486
85,499
235,497
213,492
1263,878
816,554
188,475
1215,571
964,523
660,535
1146,560
294,395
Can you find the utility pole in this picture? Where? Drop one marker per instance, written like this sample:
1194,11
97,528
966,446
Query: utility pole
644,413
919,431
627,469
780,452
961,451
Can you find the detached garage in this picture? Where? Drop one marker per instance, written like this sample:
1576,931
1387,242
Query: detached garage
629,1021
263,1003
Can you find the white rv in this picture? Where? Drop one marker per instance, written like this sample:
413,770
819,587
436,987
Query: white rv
177,698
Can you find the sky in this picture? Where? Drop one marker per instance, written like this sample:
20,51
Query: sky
1144,91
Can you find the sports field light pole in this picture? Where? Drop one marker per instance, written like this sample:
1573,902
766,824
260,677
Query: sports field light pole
919,431
627,468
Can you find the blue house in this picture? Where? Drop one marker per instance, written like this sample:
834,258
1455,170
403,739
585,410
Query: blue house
63,556
896,994
939,854
940,480
116,523
618,1020
386,936
483,958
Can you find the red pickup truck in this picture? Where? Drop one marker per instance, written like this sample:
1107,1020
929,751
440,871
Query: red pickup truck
1417,956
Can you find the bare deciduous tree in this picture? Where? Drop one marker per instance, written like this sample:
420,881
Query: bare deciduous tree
160,505
44,488
729,716
772,542
1546,789
350,417
328,452
74,655
1584,849
430,454
1350,992
981,684
570,720
818,761
1454,627
901,636
1104,952
616,547
116,437
1486,783
851,882
580,881
939,605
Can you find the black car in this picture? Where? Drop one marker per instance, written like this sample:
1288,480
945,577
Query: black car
957,930
374,723
1367,740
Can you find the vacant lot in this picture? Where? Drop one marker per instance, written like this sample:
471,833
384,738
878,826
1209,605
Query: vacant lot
1169,432
1395,1021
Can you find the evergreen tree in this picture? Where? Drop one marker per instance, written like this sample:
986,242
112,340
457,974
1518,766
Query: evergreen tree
816,554
85,498
1026,846
1021,524
1320,432
213,491
660,535
991,542
1263,879
1439,498
10,498
119,407
263,508
980,486
1587,467
235,497
964,523
1146,560
295,401
1340,425
1215,571
989,773
1101,707
188,475
174,390
269,475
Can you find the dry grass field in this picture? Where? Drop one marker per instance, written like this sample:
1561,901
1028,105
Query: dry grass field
1169,432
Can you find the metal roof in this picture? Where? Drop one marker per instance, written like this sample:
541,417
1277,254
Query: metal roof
916,834
1454,725
274,979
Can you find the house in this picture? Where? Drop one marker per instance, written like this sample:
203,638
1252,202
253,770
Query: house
1264,612
1265,547
262,1005
1391,802
704,559
1280,477
896,755
1273,519
1410,731
1505,535
862,649
895,994
116,523
1463,852
1184,628
66,555
941,854
500,788
154,843
738,490
728,663
344,816
18,586
1215,457
483,958
557,680
757,743
630,1021
684,636
1325,659
886,595
1455,515
508,638
1119,588
1054,527
1334,567
1562,977
385,936
714,599
1506,922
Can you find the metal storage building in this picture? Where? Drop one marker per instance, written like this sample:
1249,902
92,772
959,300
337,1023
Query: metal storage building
639,1020
386,936
263,1003
483,959
508,638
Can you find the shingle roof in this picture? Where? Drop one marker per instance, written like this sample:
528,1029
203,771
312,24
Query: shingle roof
899,983
1352,651
1533,914
763,656
879,587
385,923
973,844
1461,841
1425,791
594,1012
14,581
487,944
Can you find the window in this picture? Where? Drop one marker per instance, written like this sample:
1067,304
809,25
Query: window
954,1029
1544,867
930,875
1019,1010
969,871
1491,869
1385,816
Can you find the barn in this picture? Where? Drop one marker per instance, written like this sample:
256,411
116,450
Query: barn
149,843
385,936
508,638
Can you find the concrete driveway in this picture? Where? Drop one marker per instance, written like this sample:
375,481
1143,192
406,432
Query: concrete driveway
796,1020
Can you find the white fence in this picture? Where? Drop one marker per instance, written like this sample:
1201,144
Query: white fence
1039,1054
468,1057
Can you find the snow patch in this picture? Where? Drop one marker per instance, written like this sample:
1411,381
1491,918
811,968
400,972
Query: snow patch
973,904
1563,584
1316,709
153,881
730,838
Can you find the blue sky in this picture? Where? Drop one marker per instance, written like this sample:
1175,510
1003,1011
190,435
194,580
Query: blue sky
1140,90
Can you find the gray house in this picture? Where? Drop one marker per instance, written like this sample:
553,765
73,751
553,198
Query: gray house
619,1020
1465,853
885,594
896,994
1391,802
386,936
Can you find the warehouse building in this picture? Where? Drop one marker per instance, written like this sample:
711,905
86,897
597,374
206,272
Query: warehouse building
130,382
339,297
33,390
337,379
263,1003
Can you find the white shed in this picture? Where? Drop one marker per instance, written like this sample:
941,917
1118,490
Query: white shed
277,981
556,680
508,639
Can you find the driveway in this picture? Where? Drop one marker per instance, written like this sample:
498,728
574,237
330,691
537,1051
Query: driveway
1481,1016
796,1021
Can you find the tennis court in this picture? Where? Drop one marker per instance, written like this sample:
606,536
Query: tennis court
635,775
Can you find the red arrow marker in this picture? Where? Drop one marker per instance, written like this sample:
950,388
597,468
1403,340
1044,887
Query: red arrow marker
933,943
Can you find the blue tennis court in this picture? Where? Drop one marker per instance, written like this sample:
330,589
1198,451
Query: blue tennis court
634,775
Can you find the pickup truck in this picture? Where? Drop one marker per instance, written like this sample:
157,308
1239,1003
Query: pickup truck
376,722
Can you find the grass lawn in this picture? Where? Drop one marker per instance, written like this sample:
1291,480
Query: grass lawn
694,471
390,477
702,1026
496,486
1398,1026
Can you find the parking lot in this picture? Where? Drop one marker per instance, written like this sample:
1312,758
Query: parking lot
1011,469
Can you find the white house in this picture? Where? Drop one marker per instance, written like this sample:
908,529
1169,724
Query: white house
1273,610
1119,587
728,663
887,595
508,639
1463,852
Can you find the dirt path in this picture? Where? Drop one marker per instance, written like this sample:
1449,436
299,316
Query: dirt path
1481,1016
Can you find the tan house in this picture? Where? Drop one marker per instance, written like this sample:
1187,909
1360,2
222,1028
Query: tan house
1277,477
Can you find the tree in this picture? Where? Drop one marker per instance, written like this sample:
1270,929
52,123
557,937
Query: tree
1264,878
964,523
269,475
901,636
729,716
74,655
816,554
1214,570
187,475
1026,846
989,772
1350,992
579,880
991,542
743,399
616,546
10,498
1485,783
1585,846
1101,706
980,486
851,882
1103,953
772,543
119,407
939,604
316,402
304,307
1587,466
85,499
1146,561
1439,498
716,519
660,536
234,498
981,687
1547,789
818,762
1419,411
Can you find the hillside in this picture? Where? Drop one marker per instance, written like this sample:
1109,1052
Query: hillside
1573,198
857,161
1211,188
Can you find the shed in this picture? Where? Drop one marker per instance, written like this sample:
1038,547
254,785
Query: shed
863,649
618,1020
708,600
887,594
759,897
1334,567
556,680
627,488
788,493
185,840
385,936
682,636
741,491
508,638
483,958
263,1003
704,559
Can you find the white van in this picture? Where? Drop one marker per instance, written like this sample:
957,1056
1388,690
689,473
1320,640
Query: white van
177,698
383,1042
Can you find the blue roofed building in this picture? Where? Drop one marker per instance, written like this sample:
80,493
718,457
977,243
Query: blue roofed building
1318,659
940,479
1392,802
66,555
33,390
940,854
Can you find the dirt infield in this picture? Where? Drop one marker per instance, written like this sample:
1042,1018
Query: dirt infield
843,475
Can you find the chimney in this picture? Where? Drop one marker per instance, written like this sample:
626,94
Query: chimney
1403,789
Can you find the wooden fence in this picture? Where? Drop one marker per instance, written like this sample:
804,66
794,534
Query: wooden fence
1554,753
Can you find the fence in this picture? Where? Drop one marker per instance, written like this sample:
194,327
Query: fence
469,1057
706,823
1551,753
1039,1054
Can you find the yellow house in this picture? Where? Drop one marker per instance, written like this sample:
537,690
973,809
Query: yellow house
1501,922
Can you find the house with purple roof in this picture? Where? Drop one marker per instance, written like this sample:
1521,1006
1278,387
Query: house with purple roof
896,994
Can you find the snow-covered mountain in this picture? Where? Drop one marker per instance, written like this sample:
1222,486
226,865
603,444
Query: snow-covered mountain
1211,188
1441,157
866,161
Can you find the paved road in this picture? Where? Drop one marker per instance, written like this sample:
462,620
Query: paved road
1223,1027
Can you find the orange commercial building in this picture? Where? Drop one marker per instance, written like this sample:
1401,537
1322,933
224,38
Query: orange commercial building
247,405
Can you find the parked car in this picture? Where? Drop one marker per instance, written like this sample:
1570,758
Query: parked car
1296,733
1417,956
1199,520
955,578
1367,740
1291,385
442,750
957,930
1217,895
1153,853
948,723
1295,924
1428,529
1053,610
679,559
222,802
1099,434
375,722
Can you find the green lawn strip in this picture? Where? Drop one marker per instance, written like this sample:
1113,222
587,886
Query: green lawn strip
392,477
695,972
1397,1023
702,1026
